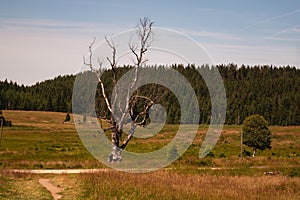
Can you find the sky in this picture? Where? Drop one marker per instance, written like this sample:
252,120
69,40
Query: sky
41,39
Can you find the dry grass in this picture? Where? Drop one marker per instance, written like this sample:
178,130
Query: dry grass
71,187
34,117
42,140
172,185
26,186
16,186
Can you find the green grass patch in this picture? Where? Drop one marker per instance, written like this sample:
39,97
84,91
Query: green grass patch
42,140
39,140
18,186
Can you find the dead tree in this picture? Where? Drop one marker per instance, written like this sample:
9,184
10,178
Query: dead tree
130,113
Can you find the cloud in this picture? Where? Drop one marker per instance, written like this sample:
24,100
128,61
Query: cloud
46,26
213,35
290,34
283,39
30,59
40,23
296,29
33,50
271,19
254,55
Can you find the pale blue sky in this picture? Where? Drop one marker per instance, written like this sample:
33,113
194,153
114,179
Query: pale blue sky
40,39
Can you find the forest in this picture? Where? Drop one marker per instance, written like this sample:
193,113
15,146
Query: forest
273,92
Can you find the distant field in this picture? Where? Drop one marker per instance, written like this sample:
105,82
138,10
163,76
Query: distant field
40,140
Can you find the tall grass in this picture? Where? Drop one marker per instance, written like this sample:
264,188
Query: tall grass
172,185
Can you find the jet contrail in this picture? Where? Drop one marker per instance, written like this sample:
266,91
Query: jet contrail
271,19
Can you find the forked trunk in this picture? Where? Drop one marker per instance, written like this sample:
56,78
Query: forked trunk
115,140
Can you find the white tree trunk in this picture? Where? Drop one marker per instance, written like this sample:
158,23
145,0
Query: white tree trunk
254,152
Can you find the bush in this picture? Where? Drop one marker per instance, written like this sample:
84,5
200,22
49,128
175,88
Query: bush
246,153
5,122
210,154
206,162
222,155
68,118
256,133
292,172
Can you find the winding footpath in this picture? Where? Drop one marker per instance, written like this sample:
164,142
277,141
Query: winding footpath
53,189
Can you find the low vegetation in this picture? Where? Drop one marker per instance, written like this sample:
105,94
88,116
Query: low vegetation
21,186
40,140
174,185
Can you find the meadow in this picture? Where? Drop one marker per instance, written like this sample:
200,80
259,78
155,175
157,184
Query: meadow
40,140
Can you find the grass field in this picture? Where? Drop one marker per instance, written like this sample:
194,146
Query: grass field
40,140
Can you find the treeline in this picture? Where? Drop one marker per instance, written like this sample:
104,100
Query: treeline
273,92
269,91
50,95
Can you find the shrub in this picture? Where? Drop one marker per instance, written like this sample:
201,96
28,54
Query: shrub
68,118
256,133
222,155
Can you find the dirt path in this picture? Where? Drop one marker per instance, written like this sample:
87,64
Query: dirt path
90,171
51,188
58,171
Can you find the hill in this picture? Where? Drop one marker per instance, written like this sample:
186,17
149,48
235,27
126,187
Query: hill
50,95
273,92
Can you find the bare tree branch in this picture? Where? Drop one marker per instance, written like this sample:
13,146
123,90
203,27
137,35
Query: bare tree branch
90,55
137,115
145,36
97,72
112,61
